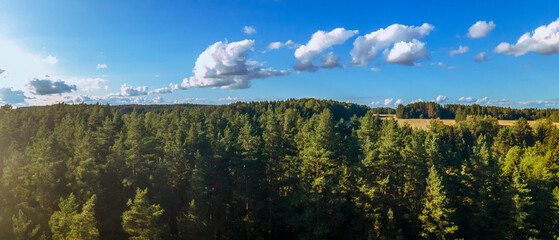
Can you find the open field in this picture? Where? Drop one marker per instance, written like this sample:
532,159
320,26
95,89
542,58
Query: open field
423,123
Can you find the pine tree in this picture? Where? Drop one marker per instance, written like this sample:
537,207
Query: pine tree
21,227
436,216
141,221
68,224
84,224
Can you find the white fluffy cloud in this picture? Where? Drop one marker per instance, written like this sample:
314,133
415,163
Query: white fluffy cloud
367,48
49,87
480,57
485,101
249,30
330,60
277,45
480,29
319,42
127,90
417,100
544,40
161,90
441,99
407,53
460,50
101,66
9,96
388,101
226,65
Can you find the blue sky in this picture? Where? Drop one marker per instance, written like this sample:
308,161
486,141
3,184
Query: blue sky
199,52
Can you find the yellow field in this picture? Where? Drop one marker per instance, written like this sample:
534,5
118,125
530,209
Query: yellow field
423,123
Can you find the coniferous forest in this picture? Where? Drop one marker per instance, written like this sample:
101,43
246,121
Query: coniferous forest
295,169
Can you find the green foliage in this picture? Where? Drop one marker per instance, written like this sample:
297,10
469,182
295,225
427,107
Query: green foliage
68,223
436,215
141,221
294,169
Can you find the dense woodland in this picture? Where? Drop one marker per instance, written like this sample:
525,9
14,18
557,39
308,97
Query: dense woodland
460,112
296,169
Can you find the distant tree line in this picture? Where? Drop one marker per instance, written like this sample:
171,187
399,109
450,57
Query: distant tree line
296,169
431,110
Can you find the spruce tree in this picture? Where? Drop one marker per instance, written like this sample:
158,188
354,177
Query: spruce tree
436,215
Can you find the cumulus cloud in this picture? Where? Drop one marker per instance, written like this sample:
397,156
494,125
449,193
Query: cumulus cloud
226,65
161,90
480,57
319,42
417,100
101,66
249,30
388,101
461,49
49,87
277,45
330,60
485,101
398,102
441,99
9,96
467,100
367,48
127,90
544,40
374,103
407,53
480,29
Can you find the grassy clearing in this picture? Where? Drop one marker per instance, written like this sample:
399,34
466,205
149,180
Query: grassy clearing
423,123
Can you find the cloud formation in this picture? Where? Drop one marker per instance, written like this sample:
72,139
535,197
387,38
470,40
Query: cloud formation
101,66
407,53
441,99
319,42
467,100
277,45
249,30
129,91
460,50
49,87
544,40
226,65
480,57
9,96
367,48
480,29
330,60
